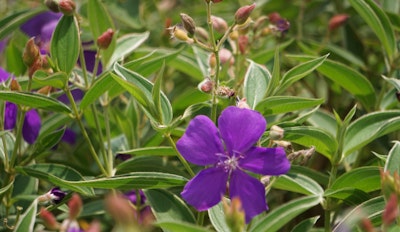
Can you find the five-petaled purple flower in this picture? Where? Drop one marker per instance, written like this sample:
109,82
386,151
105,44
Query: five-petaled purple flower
229,150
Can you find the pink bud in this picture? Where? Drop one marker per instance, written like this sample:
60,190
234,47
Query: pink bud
48,219
219,24
75,206
206,86
188,24
104,40
243,43
226,56
67,7
274,17
337,21
243,13
391,210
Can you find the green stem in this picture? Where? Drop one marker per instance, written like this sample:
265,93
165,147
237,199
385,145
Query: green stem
83,66
18,138
178,154
108,136
99,132
84,133
96,65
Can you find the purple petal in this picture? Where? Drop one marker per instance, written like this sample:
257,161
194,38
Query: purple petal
206,189
47,30
4,75
265,161
33,27
250,191
201,142
69,136
31,127
10,115
240,128
90,58
76,93
131,195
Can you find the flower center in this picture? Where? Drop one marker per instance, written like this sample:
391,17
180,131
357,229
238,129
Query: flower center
229,162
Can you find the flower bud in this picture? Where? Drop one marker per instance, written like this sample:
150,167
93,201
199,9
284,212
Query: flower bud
276,133
206,86
219,24
180,34
67,7
37,65
75,206
48,219
243,43
234,214
274,17
14,86
243,13
46,90
337,21
188,24
120,209
242,103
390,184
54,196
225,92
104,40
52,5
202,33
391,211
31,52
226,56
366,225
234,35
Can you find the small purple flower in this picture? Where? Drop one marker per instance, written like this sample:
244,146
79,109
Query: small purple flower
54,196
229,150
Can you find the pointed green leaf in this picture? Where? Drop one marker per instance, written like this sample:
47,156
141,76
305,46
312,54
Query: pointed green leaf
127,44
178,226
284,104
279,217
323,120
393,81
57,174
376,18
12,22
296,182
256,82
27,220
305,225
150,151
156,94
47,141
6,188
100,21
392,164
300,71
217,217
57,80
308,136
168,207
368,128
34,100
65,44
276,75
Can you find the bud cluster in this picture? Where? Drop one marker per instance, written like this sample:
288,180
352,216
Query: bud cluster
32,57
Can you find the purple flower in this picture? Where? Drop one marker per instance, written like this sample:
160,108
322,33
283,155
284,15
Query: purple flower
54,196
4,75
229,150
31,126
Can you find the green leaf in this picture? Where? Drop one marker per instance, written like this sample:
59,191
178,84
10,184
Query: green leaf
100,21
368,128
305,225
300,71
348,78
296,182
391,6
284,104
393,81
57,174
217,217
134,82
308,136
323,120
279,217
168,207
27,220
276,75
34,100
127,44
156,94
392,164
150,151
13,21
6,188
256,82
65,44
178,226
57,80
376,18
265,55
371,209
357,182
47,141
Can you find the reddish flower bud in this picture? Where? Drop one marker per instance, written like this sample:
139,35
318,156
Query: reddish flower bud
14,86
120,209
31,52
243,13
104,40
226,56
46,90
219,24
391,211
37,65
216,1
48,219
337,21
206,86
188,24
366,225
52,5
67,7
75,206
274,17
243,43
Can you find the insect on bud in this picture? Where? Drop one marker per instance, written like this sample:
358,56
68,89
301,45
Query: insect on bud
188,24
104,40
67,7
243,13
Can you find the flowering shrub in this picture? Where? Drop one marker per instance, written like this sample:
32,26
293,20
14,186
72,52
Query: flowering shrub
152,115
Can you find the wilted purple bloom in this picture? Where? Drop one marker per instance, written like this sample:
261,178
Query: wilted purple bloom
54,196
229,150
282,25
31,126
